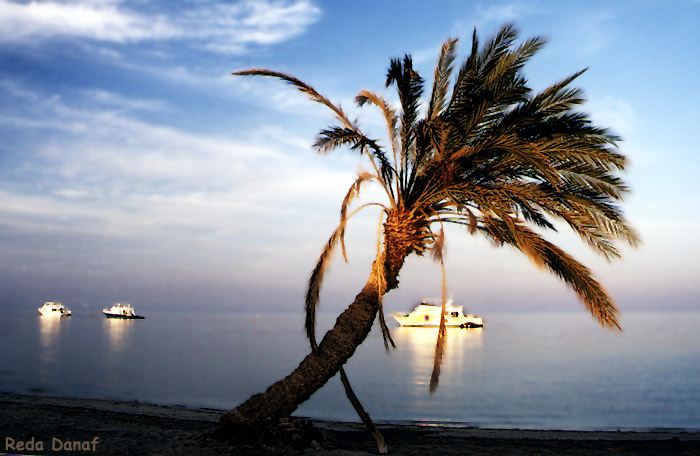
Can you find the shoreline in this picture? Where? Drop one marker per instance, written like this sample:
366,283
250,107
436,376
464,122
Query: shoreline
136,428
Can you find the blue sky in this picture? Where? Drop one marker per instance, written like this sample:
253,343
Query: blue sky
133,167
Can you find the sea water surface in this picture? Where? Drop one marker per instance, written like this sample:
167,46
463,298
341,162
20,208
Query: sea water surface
523,370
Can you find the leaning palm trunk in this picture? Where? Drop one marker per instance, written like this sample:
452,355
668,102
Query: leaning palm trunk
264,410
282,398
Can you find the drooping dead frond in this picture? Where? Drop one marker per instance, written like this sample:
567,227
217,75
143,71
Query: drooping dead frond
317,275
364,416
366,96
386,333
439,245
314,288
381,285
442,331
472,222
439,352
353,193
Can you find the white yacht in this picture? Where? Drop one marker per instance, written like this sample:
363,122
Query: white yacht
121,310
428,314
54,309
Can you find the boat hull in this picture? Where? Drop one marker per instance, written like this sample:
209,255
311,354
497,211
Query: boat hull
54,314
124,317
461,325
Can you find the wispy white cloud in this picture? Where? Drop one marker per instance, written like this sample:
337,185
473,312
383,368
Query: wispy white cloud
104,21
15,89
232,28
122,103
223,28
497,14
109,173
94,178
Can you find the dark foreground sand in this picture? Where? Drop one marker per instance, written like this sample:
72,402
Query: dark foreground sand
143,429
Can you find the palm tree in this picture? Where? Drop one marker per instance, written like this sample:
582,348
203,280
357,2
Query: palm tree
489,155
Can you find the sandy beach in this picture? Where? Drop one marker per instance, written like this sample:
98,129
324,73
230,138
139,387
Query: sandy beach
46,425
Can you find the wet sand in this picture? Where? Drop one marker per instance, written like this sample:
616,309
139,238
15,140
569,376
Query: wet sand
70,426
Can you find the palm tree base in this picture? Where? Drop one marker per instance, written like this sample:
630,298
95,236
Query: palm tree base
289,433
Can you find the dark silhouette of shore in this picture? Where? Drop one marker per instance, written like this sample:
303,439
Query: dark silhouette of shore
71,426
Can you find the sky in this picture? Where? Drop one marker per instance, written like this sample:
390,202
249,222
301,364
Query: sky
134,167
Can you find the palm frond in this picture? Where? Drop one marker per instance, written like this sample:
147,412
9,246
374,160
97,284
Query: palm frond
347,134
586,212
439,354
391,119
381,284
332,138
302,87
443,72
352,193
546,254
364,416
441,342
316,279
472,222
409,86
557,98
366,96
314,287
438,246
386,333
489,85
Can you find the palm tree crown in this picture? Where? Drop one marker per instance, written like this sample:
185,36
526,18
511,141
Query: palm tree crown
488,154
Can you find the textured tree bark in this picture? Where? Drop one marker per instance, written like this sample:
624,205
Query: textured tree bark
338,345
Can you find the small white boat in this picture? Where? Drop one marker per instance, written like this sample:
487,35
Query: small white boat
121,310
428,314
54,309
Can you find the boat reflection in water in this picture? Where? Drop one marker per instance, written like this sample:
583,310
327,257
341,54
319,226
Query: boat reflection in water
462,349
49,329
118,333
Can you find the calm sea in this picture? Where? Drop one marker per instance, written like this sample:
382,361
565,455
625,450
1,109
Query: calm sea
530,371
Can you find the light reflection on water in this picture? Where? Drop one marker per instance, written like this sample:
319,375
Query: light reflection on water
49,328
118,334
419,346
520,371
49,340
